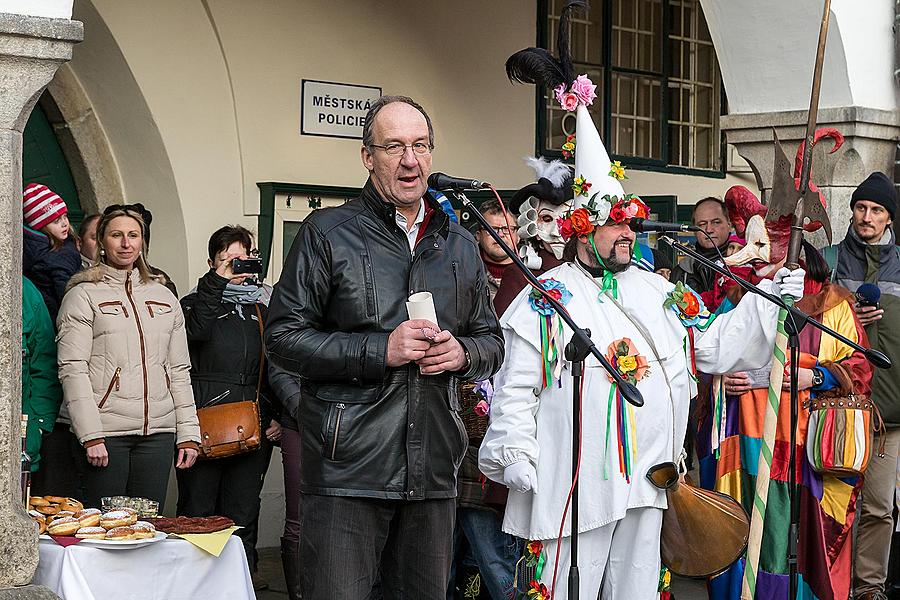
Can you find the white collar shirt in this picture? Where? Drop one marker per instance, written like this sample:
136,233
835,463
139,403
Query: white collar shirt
412,233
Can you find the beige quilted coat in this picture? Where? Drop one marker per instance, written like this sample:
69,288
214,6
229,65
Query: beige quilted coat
123,358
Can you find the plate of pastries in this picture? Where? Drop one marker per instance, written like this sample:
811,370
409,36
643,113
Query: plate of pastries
116,528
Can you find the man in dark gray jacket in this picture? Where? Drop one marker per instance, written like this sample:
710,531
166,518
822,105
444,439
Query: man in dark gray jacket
381,440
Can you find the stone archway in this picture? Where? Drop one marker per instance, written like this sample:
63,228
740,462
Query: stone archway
112,141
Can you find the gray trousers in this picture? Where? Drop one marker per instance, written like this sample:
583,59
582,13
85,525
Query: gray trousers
347,542
876,524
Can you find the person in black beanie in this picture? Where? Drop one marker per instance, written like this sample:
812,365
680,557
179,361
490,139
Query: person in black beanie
878,189
868,254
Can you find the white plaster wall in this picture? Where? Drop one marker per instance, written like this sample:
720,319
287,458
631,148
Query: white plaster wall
54,9
767,50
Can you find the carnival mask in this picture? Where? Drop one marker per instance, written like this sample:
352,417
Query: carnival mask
547,228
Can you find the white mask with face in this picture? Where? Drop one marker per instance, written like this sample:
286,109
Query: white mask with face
548,228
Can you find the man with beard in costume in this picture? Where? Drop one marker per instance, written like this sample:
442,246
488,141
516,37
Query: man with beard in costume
642,322
537,208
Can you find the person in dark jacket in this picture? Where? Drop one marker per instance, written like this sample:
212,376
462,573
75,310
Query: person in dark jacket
49,253
222,319
286,390
381,440
711,216
869,255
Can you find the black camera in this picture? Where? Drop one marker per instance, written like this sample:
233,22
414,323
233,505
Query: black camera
251,264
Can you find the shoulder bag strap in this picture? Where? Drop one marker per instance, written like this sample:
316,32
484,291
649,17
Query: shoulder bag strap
262,351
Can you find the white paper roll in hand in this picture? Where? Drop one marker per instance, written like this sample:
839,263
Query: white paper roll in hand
421,306
520,477
789,283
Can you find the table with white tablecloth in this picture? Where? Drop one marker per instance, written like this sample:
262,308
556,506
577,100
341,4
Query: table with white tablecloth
171,569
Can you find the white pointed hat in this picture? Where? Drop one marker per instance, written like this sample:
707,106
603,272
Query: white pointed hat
592,165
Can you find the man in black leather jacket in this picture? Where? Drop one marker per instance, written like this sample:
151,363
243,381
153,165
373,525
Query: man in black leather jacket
381,440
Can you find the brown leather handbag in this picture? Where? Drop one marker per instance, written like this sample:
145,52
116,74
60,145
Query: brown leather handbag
703,532
233,428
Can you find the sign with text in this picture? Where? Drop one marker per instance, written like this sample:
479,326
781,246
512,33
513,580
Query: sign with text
335,109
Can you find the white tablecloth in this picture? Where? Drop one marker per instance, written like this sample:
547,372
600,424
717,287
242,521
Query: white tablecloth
172,569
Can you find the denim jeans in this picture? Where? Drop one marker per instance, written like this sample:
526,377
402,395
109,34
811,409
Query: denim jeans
494,552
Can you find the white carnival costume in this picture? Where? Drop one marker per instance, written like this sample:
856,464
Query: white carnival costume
644,321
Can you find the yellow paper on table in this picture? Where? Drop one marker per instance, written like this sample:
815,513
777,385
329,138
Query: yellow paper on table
213,543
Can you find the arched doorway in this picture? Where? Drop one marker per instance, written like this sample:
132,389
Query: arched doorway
43,161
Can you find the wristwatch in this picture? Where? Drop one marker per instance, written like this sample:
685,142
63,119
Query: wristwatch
818,378
468,361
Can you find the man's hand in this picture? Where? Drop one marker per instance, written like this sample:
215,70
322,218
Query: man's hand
868,314
804,379
410,341
737,383
445,354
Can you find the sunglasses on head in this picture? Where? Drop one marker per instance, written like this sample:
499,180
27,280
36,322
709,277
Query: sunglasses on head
134,208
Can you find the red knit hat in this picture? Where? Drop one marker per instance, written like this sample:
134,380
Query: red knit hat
41,206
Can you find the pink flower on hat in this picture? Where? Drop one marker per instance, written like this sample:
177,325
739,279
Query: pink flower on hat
584,89
568,100
41,206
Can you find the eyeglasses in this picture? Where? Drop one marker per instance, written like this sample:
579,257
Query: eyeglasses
420,148
503,231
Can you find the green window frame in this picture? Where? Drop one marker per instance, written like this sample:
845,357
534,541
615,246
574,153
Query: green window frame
659,94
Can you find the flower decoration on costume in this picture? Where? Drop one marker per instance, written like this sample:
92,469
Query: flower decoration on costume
632,367
486,391
624,356
617,170
568,149
556,289
537,591
687,304
550,328
629,207
582,91
581,186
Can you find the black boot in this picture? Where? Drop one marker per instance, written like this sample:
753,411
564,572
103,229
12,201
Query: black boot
290,562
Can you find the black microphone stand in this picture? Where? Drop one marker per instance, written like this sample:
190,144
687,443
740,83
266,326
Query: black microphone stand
793,325
576,351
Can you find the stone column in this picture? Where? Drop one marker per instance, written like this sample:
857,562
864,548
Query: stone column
870,144
31,50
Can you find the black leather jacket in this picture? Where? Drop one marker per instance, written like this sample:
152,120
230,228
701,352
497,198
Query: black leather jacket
366,429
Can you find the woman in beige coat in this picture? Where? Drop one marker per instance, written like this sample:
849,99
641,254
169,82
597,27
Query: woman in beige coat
124,368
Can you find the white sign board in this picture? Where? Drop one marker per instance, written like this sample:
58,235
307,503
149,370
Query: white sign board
335,109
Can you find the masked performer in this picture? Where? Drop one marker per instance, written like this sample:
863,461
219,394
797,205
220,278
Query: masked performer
645,325
730,434
538,207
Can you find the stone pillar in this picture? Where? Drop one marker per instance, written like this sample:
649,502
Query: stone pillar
870,144
31,50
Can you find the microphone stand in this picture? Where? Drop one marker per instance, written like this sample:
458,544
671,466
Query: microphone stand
793,325
576,351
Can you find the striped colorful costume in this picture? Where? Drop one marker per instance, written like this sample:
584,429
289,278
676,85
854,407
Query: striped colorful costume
728,447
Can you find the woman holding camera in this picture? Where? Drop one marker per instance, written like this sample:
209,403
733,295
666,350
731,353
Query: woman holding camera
123,364
224,318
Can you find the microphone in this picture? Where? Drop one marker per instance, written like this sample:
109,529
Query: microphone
643,225
868,294
439,181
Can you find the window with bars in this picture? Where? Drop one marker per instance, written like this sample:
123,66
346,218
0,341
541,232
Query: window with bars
658,82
